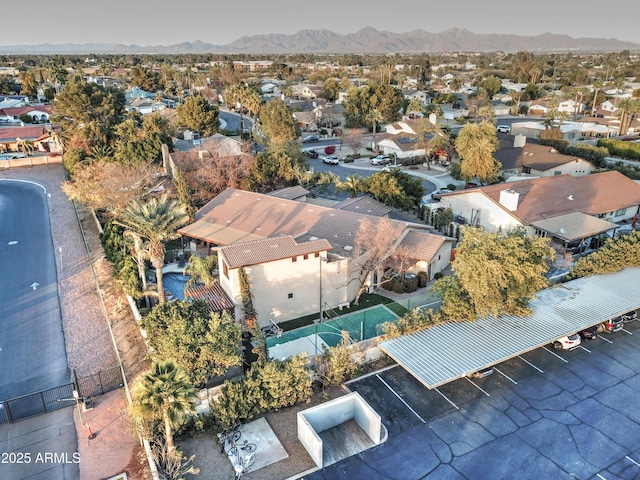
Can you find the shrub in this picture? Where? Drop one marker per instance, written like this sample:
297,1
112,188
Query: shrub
397,285
348,159
411,284
437,276
422,279
412,321
619,148
451,187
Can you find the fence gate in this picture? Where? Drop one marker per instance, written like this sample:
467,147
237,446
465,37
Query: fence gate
28,406
99,383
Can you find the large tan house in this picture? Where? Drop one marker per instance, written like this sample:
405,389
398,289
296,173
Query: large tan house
301,258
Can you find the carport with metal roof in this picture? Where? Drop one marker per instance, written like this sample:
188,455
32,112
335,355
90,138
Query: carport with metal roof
449,351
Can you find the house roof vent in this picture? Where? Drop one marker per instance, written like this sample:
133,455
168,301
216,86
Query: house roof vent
347,248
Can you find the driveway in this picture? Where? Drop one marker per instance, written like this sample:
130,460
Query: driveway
545,414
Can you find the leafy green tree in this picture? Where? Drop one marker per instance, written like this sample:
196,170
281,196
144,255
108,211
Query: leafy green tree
277,167
205,344
142,143
360,102
476,143
494,273
88,113
157,221
336,364
145,78
394,188
199,115
28,84
278,125
331,88
164,393
185,195
490,84
615,255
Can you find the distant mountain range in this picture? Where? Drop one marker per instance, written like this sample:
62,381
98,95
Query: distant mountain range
366,40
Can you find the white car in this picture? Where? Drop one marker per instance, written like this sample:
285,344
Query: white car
567,343
331,160
380,160
438,193
503,129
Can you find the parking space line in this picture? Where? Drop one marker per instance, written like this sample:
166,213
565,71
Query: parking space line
632,460
600,476
530,364
605,339
556,355
626,331
400,398
585,349
445,397
477,386
506,376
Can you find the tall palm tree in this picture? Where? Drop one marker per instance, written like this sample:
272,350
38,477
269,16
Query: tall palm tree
597,86
352,184
375,116
155,221
415,106
253,102
201,270
164,392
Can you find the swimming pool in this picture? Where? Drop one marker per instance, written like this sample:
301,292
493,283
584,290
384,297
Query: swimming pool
174,283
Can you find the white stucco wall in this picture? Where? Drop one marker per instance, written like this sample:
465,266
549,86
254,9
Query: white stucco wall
577,168
492,218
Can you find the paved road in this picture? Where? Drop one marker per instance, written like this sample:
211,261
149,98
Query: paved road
566,415
32,351
32,347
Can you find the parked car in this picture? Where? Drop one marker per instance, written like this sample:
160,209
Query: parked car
567,343
331,160
311,153
381,160
485,372
329,149
438,193
629,316
611,325
311,138
589,333
503,129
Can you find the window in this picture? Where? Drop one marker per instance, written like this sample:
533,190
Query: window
225,269
526,170
290,295
620,212
557,172
294,259
317,254
305,257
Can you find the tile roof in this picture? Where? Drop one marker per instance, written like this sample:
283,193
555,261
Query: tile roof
541,198
421,246
364,204
237,216
9,134
214,296
269,250
290,192
533,155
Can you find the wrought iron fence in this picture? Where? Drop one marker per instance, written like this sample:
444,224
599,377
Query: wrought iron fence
99,383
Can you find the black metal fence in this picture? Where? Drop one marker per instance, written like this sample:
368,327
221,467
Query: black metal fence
100,383
46,401
28,406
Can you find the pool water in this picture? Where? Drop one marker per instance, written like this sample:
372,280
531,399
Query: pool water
174,283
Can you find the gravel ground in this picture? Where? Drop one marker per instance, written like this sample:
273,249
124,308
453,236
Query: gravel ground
215,465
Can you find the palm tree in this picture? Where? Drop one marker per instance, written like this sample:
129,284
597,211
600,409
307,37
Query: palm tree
201,271
253,102
375,116
515,101
415,106
424,133
597,85
353,185
25,146
164,392
155,221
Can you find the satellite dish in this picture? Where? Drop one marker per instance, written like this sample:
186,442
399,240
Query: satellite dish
563,231
432,118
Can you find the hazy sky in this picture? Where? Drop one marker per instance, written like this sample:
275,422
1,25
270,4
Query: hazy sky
164,22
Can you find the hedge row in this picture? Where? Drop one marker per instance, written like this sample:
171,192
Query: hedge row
620,148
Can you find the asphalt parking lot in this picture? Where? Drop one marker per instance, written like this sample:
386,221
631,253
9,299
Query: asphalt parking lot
546,414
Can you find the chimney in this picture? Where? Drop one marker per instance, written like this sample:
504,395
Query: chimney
519,141
509,199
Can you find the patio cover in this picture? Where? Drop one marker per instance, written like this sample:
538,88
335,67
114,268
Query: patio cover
573,226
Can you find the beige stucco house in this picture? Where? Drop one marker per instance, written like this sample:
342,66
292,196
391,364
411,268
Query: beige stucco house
300,257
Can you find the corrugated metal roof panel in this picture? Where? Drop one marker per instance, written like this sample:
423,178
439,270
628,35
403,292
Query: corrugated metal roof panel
452,350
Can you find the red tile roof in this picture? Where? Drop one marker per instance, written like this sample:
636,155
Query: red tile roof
9,134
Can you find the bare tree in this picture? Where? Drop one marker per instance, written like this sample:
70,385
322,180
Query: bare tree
375,248
355,139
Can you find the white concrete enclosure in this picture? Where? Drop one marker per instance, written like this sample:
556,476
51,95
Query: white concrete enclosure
317,419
